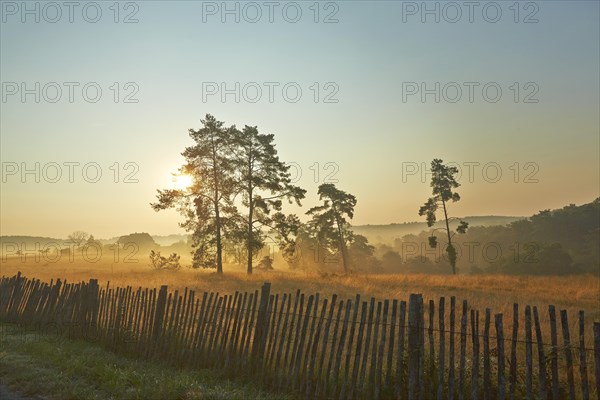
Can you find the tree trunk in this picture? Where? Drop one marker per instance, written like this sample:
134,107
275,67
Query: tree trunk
452,258
250,212
217,212
219,244
342,246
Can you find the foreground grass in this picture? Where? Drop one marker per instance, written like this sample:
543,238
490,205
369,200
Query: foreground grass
49,366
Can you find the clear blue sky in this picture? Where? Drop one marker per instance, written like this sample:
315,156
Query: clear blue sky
369,55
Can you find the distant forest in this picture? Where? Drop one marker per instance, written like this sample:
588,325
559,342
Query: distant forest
551,242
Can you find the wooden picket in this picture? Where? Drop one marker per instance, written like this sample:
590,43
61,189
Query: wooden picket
320,347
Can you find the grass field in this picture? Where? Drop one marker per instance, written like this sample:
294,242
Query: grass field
35,364
497,292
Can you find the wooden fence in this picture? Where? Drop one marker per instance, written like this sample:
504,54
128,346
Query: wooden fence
324,348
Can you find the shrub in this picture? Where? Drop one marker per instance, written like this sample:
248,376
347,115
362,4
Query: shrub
159,262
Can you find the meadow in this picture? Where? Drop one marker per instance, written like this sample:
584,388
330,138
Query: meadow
497,292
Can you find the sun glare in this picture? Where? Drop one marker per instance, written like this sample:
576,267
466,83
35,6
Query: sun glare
182,181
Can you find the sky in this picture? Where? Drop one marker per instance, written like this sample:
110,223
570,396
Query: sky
97,101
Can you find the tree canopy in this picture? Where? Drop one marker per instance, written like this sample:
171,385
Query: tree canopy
443,183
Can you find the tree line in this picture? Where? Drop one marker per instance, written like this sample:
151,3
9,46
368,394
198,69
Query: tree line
564,241
237,193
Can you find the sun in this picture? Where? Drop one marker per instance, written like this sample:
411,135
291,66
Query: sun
182,181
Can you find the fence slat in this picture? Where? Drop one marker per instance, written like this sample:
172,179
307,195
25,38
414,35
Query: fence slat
338,356
227,330
390,359
585,390
251,324
220,335
245,326
528,353
363,370
431,371
201,331
296,340
463,351
442,351
564,321
361,329
349,350
236,334
513,353
541,355
486,357
282,339
313,354
475,341
328,381
214,322
324,346
373,366
310,338
597,355
269,347
451,349
300,352
500,346
379,370
399,388
554,353
414,345
277,338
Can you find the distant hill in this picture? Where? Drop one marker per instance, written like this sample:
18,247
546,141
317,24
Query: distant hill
30,242
387,233
142,239
375,233
169,239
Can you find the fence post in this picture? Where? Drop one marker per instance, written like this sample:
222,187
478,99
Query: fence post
451,350
597,354
93,302
487,380
262,322
442,352
541,355
554,359
15,299
463,351
161,304
475,365
528,353
568,352
501,360
585,391
513,353
414,344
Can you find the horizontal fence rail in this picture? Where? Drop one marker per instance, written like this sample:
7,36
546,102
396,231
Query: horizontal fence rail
325,348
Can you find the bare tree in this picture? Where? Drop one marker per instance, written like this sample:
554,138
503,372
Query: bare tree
78,237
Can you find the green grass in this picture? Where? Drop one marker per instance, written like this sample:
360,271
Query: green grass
35,364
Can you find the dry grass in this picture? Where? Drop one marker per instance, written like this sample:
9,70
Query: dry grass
497,292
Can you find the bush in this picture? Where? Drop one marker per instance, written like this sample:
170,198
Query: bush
159,262
266,263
